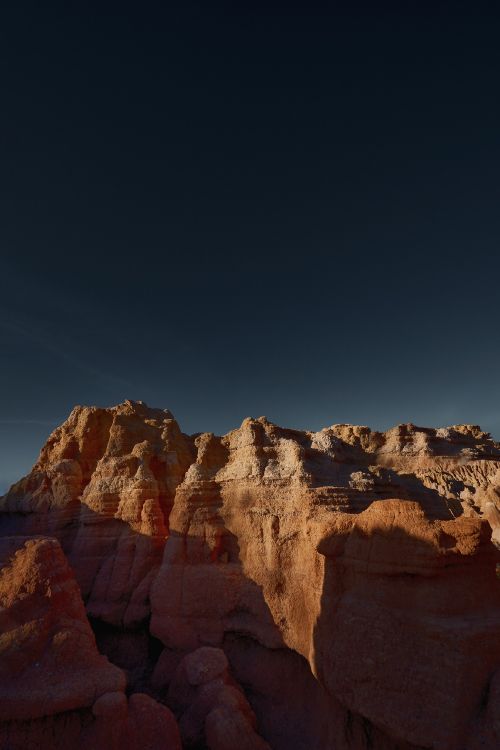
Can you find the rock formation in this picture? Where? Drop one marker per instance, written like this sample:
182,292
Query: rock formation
348,577
212,706
56,690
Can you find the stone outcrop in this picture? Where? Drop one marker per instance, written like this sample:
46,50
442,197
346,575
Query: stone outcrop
56,690
412,606
104,485
348,575
211,706
48,660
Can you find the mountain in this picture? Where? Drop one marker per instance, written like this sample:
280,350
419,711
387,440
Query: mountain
342,582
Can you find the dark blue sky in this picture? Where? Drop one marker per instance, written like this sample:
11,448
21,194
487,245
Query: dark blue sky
246,209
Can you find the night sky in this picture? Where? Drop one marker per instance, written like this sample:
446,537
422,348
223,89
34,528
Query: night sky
236,209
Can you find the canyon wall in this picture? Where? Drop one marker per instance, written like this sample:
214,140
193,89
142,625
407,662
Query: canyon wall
347,576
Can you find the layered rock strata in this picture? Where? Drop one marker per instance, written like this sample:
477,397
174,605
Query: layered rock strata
357,563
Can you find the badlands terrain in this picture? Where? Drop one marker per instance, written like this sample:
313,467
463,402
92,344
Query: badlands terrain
271,588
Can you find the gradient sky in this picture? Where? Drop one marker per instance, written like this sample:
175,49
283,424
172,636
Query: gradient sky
244,209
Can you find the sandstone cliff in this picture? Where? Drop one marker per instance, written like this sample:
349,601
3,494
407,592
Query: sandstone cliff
348,575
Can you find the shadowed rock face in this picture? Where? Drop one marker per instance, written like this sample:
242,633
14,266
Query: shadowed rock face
411,606
348,575
48,659
56,690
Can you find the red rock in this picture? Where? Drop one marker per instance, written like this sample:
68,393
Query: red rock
205,665
111,705
151,726
56,690
112,473
409,629
226,729
363,555
48,658
201,688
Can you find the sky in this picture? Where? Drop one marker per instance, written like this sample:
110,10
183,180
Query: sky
246,209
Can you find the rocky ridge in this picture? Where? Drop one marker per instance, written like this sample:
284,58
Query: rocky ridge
347,575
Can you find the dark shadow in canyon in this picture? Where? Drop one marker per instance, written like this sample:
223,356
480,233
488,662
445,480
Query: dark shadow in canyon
135,651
